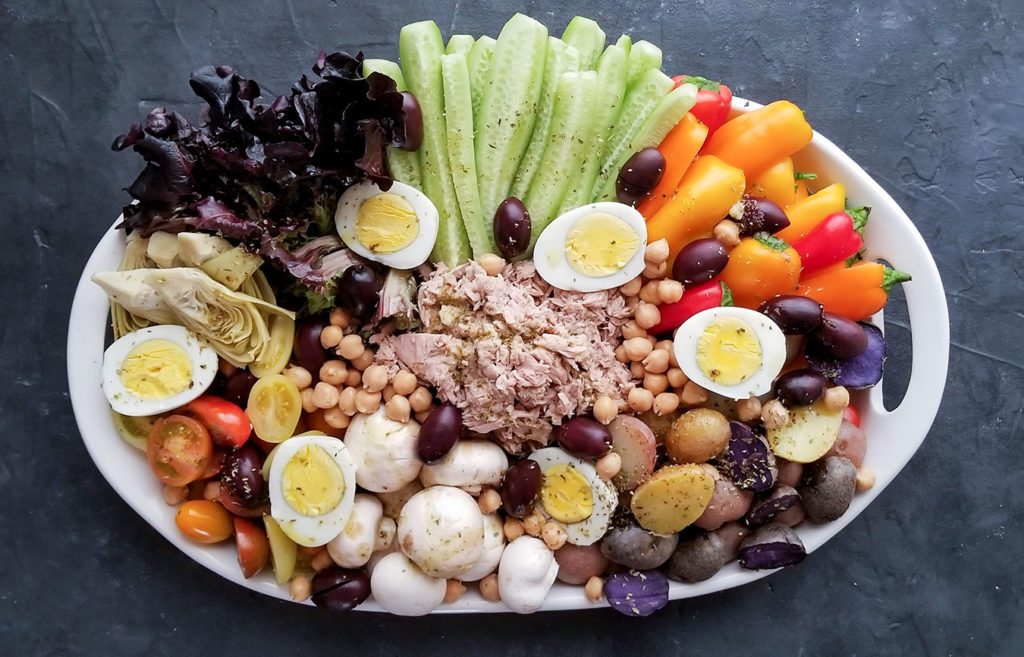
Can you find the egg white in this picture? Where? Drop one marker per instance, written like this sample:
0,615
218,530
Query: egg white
412,255
770,336
589,530
201,356
311,531
554,267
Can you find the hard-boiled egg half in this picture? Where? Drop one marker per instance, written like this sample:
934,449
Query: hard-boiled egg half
312,483
156,369
593,247
572,494
397,227
735,352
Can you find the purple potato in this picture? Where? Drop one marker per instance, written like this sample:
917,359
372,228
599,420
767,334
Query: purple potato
861,371
782,498
748,459
698,557
635,547
829,489
636,593
772,546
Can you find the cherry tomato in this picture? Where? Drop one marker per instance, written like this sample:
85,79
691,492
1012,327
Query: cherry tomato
228,424
253,547
851,415
179,450
274,408
204,521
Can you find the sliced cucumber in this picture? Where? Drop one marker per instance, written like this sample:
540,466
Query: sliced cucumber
403,166
421,48
626,43
611,84
559,59
587,37
574,101
509,107
643,56
669,111
479,63
459,43
640,99
458,110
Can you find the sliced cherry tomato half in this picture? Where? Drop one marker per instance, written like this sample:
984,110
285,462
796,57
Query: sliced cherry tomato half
851,415
179,450
228,424
253,547
204,521
274,408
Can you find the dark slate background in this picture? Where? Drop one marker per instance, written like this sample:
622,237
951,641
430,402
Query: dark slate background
926,96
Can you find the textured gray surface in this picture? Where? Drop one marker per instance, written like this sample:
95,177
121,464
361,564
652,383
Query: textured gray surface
927,98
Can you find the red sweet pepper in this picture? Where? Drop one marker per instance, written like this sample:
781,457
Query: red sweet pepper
712,294
714,100
833,240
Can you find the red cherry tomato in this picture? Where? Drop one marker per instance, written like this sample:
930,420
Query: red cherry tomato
253,547
179,450
204,521
228,424
851,415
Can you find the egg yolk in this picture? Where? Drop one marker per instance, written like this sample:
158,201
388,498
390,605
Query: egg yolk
156,369
728,351
565,494
600,244
386,223
312,482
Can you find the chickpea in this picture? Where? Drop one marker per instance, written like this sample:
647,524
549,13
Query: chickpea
489,501
640,399
656,361
675,376
321,560
836,398
865,478
492,263
748,410
336,418
375,378
594,588
636,370
693,394
397,409
608,466
367,402
533,524
175,495
727,232
605,409
363,361
553,535
647,315
300,588
351,346
620,354
325,395
774,415
347,401
300,376
334,372
421,400
340,317
667,345
665,403
453,590
632,288
489,588
354,378
404,382
421,416
649,292
653,270
657,251
656,383
388,392
630,330
331,336
513,529
637,348
308,405
669,291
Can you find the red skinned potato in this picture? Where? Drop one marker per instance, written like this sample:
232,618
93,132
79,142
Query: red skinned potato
635,444
728,502
851,444
578,563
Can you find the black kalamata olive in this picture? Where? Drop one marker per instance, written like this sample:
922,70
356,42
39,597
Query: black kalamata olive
839,337
520,487
794,314
439,433
584,438
639,175
242,475
512,227
238,387
699,261
340,589
359,291
307,349
800,387
413,122
761,215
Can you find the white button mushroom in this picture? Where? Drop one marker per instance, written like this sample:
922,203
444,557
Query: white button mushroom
354,545
384,451
402,588
494,545
385,534
442,530
394,500
525,574
469,465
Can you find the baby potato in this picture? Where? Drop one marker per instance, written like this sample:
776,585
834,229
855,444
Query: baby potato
697,436
673,498
810,433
